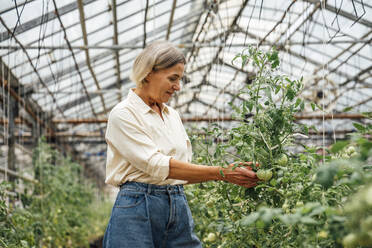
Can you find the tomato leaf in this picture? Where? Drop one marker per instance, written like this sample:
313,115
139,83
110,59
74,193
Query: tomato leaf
302,106
312,106
308,220
221,173
290,94
347,109
277,89
338,146
268,92
237,56
360,127
298,102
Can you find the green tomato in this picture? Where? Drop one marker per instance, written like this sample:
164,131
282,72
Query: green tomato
350,240
283,160
211,237
299,204
367,224
322,234
354,154
264,175
210,203
199,159
345,156
350,150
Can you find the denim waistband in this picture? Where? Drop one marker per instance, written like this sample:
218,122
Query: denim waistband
145,187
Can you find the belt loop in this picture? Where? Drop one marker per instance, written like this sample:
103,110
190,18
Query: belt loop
169,189
148,188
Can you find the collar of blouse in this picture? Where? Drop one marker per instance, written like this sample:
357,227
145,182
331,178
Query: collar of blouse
141,105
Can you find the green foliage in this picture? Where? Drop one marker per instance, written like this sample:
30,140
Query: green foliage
303,203
59,211
359,211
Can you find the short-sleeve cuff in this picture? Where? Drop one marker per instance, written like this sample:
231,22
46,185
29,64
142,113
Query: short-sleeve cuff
159,166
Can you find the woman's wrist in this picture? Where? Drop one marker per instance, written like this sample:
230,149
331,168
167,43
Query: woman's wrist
219,173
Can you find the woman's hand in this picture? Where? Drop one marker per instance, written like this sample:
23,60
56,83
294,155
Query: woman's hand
193,173
243,176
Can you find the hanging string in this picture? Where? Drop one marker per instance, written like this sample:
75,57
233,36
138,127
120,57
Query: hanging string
5,103
8,113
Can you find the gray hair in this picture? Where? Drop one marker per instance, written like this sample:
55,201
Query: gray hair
156,56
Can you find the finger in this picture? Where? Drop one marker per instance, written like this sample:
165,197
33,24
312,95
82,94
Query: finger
243,176
245,163
244,180
248,185
246,172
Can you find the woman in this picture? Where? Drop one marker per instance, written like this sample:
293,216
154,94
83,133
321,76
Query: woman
148,157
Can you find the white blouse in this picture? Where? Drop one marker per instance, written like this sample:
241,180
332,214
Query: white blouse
140,143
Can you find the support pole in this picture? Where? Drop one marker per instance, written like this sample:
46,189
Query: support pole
13,113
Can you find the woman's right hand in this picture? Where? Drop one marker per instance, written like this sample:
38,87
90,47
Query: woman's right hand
243,176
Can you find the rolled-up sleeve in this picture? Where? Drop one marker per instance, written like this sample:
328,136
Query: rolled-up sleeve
130,139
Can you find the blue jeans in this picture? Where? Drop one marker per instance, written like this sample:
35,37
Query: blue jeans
150,216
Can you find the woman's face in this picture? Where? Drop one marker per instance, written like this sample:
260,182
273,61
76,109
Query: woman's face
163,83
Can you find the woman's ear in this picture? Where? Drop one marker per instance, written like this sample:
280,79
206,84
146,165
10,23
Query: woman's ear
147,78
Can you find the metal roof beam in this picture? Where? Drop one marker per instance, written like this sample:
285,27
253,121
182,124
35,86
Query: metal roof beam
144,24
101,62
40,80
309,16
356,77
343,13
171,19
43,19
87,57
226,35
90,33
342,52
16,5
186,45
83,99
295,54
76,66
131,42
78,121
278,23
111,86
116,42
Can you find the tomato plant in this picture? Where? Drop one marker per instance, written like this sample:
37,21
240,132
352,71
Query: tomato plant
300,201
59,211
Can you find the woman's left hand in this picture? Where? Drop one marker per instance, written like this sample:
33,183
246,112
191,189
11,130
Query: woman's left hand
243,176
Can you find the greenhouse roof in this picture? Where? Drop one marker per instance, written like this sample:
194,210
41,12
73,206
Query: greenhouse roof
67,63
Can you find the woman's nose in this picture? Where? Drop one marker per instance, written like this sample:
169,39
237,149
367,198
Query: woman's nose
177,86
